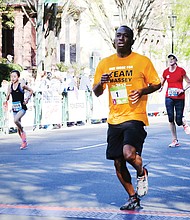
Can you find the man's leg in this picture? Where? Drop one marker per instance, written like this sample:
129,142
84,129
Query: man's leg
135,160
124,176
130,155
125,179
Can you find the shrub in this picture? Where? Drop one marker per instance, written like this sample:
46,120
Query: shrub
5,70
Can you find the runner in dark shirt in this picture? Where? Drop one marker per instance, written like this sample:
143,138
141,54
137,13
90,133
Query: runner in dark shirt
16,90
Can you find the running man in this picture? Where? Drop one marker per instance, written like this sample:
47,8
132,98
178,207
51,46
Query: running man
129,77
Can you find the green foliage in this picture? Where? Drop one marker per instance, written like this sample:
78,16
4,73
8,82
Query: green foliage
62,67
73,68
8,15
181,30
78,69
5,70
3,60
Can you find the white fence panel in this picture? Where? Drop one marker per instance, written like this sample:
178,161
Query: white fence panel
77,105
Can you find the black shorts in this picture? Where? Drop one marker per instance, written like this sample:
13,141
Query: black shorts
130,132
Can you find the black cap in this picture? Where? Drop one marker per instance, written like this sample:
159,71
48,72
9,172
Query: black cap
172,55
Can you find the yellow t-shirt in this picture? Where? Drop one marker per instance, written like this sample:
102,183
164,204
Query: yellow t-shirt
130,73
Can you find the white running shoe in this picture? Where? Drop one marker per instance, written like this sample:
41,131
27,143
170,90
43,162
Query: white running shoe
186,126
142,184
174,143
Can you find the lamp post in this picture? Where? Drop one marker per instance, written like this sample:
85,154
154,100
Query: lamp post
77,18
172,19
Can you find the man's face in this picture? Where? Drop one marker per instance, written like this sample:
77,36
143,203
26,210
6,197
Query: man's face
172,60
123,39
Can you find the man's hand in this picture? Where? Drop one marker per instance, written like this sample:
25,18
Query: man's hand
98,88
105,78
135,95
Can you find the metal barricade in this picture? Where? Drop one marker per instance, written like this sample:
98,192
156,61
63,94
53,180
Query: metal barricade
89,106
37,109
3,114
65,113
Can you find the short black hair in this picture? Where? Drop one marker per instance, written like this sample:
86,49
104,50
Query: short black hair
17,72
129,30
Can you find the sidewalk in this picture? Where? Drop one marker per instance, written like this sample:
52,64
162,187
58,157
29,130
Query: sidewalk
152,119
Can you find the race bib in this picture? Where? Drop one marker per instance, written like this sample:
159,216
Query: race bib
16,106
172,91
119,94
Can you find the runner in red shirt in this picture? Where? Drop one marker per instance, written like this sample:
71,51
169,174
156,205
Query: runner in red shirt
175,97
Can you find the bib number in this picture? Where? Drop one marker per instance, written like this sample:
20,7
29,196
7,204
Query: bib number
16,106
119,94
172,91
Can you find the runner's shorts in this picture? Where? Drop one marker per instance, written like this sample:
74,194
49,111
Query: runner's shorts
178,105
129,132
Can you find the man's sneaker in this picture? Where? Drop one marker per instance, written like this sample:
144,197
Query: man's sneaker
142,183
23,136
23,145
174,143
133,203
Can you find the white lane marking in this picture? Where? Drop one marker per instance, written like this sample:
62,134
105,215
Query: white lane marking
91,146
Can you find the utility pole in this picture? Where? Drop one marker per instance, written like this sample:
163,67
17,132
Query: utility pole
67,40
78,42
77,20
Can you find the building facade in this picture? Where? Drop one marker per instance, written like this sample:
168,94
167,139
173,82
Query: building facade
19,42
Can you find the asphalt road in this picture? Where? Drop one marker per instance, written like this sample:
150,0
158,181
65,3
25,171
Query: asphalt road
64,175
